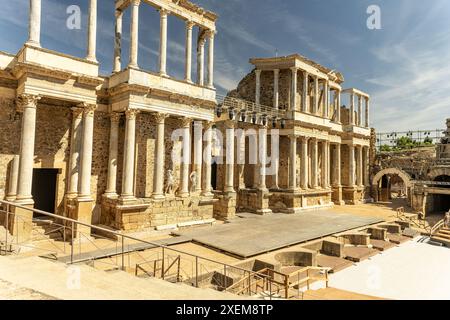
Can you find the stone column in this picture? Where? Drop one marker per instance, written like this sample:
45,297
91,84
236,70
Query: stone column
352,109
13,176
92,31
256,171
163,42
34,28
211,59
188,67
314,164
118,42
201,62
338,105
208,159
304,163
367,112
198,154
75,141
111,182
276,89
229,178
129,148
293,105
263,158
134,34
27,104
326,100
359,110
316,96
258,87
366,166
305,97
186,158
293,162
351,165
324,165
359,166
337,166
158,176
86,151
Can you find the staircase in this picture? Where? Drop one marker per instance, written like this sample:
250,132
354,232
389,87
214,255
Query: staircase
45,229
442,236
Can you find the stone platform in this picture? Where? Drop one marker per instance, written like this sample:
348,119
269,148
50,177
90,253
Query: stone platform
250,235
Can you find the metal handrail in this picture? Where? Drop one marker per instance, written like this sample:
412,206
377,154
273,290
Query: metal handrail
238,105
118,234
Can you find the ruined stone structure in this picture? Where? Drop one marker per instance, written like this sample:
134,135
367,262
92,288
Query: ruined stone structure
424,174
324,146
102,149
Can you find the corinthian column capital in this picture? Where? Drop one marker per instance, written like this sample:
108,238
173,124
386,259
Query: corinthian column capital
160,117
131,114
115,117
27,101
88,109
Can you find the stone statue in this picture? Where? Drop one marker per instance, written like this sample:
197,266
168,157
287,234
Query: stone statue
193,178
170,183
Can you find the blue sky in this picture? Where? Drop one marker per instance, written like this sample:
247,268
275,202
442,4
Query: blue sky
405,66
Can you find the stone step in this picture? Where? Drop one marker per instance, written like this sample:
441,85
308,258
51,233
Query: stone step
444,241
443,231
442,235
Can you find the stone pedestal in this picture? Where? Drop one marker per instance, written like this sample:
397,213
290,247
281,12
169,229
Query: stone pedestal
225,208
262,202
21,222
80,209
337,197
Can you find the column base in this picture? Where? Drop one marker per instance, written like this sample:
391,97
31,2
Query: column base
225,207
32,43
158,197
83,213
111,195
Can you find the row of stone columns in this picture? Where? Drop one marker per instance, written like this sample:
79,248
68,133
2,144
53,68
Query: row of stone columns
128,178
358,166
134,46
305,107
356,119
34,34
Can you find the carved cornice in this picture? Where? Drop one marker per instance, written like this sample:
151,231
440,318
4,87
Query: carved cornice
27,101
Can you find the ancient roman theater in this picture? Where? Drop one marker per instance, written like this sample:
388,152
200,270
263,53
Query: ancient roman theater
148,173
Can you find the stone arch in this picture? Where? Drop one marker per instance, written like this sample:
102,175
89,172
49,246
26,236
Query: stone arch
436,172
390,171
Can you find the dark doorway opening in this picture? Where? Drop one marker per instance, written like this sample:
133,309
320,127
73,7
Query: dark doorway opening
214,175
44,189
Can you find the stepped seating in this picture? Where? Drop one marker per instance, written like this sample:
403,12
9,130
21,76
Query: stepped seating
442,236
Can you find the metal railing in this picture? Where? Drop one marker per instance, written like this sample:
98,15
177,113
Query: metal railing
203,269
249,107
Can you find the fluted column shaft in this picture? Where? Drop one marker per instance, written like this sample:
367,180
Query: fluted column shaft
86,151
314,164
198,154
158,176
92,31
186,159
134,33
163,42
293,163
111,182
188,68
75,142
304,163
211,59
207,188
337,166
27,104
294,86
201,62
34,28
351,165
129,155
229,178
118,42
305,97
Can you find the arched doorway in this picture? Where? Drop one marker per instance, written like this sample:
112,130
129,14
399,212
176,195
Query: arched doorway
392,185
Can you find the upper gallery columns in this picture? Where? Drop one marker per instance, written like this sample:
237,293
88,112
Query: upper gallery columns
359,111
34,27
206,34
